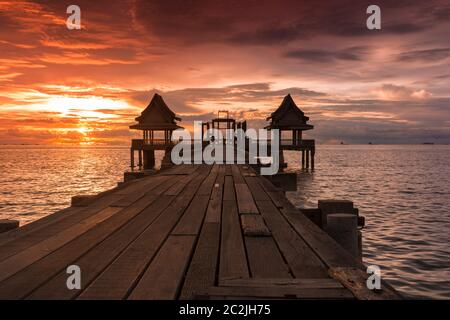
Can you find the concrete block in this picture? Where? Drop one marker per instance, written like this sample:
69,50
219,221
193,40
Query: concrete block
343,227
334,206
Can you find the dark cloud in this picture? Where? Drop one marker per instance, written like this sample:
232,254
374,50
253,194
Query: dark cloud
429,55
319,55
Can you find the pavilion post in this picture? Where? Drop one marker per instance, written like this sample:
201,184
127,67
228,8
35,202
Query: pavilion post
140,159
303,158
307,159
132,159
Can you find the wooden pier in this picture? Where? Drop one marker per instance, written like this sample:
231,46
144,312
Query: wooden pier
187,232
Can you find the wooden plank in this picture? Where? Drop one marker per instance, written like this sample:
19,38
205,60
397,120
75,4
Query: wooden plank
98,258
245,200
180,185
237,176
253,226
228,189
175,170
155,183
228,171
299,284
22,231
264,258
163,278
329,251
302,261
207,185
215,205
255,188
203,267
26,257
354,279
233,261
121,275
139,185
323,245
192,219
22,283
277,292
26,237
32,277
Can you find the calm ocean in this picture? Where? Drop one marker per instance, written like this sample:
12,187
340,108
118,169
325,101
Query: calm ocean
403,191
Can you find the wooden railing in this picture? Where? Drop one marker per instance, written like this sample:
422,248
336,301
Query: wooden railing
140,143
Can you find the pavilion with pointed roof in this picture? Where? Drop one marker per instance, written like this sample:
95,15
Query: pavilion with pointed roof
156,118
288,117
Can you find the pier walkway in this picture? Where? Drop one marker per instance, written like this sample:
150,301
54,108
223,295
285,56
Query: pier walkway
191,231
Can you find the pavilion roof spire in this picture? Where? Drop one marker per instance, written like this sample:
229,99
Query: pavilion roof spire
157,116
288,116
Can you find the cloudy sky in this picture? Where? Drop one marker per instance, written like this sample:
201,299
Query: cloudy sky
357,85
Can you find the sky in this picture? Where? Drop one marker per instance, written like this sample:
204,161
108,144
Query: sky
61,86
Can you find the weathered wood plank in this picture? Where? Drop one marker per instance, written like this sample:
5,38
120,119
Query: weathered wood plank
237,176
322,244
155,183
253,226
228,189
17,262
22,283
191,221
257,191
202,271
354,279
121,276
287,282
301,259
228,170
277,292
265,261
203,267
233,262
163,278
207,185
180,185
98,258
245,200
26,237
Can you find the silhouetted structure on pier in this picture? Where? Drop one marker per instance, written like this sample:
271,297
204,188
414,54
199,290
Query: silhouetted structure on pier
289,118
156,118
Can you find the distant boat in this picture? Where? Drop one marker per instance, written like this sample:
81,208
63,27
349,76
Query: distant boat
428,143
342,142
370,143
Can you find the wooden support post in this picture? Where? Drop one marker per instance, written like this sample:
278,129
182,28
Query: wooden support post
307,159
140,159
312,158
149,159
303,159
132,159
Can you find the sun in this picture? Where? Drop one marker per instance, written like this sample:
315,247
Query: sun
83,130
